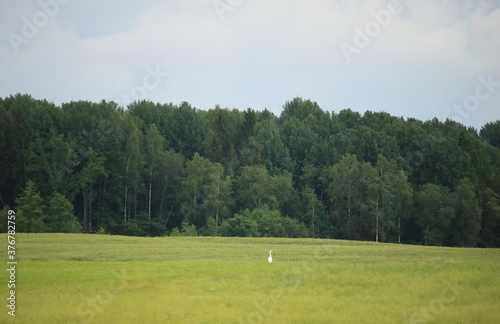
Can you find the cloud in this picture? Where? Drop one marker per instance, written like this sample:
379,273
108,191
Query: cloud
261,54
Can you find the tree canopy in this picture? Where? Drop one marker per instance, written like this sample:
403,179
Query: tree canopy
158,169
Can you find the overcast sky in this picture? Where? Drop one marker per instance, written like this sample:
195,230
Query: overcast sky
421,59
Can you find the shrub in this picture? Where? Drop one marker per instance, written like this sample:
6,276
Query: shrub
60,216
211,229
239,225
262,222
131,228
187,230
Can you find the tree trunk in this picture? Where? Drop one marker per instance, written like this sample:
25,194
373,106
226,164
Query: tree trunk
85,216
149,200
376,221
135,199
126,190
87,208
89,201
163,192
102,201
217,208
125,205
349,217
168,216
150,190
399,228
313,213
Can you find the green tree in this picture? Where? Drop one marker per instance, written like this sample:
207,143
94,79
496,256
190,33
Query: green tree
205,192
343,175
133,160
93,168
249,120
268,221
154,150
222,140
375,198
351,119
18,126
94,129
218,199
185,130
60,218
240,225
393,197
186,230
51,163
368,143
403,198
435,208
345,194
300,140
30,211
212,228
314,213
467,221
490,219
266,147
490,132
293,228
415,149
4,213
255,187
150,113
169,177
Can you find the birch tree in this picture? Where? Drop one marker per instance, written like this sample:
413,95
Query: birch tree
133,159
154,150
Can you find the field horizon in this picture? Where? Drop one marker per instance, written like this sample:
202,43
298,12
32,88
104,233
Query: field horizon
75,278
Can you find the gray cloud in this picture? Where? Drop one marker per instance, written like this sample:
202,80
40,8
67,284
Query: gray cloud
427,58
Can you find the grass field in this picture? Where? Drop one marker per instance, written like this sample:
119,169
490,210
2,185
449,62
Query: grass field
64,278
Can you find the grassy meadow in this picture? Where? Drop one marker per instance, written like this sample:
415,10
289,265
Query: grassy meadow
76,278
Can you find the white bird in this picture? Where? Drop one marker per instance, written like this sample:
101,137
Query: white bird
270,259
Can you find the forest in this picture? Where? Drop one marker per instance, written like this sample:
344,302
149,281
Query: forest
154,169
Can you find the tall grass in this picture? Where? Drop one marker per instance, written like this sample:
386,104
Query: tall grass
112,279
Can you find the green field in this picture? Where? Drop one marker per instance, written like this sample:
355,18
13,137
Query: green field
64,278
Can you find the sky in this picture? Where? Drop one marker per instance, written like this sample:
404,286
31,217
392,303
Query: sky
420,59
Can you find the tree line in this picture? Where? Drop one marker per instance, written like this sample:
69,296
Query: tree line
154,169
